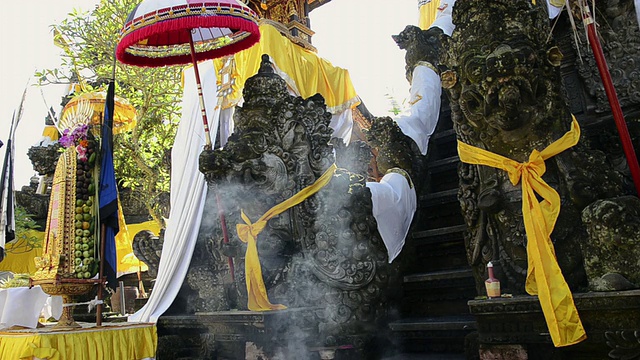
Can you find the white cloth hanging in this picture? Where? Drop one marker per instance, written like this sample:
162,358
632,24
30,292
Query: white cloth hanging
21,306
394,204
443,17
420,120
188,192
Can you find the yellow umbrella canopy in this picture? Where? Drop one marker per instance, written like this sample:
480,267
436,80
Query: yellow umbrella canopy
124,117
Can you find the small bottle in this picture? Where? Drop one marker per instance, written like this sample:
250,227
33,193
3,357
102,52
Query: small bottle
492,284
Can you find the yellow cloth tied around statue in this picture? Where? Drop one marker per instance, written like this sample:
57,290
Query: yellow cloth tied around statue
256,290
544,277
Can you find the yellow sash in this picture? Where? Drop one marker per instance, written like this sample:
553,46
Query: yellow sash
256,291
544,277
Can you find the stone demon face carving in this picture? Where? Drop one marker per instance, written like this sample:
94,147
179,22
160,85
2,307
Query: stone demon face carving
499,67
502,84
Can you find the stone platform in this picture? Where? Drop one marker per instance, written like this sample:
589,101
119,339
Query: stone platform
240,335
514,328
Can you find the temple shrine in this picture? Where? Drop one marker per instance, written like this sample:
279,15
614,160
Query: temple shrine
497,218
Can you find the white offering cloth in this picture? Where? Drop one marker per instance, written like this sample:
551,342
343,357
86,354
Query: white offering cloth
394,203
420,120
22,306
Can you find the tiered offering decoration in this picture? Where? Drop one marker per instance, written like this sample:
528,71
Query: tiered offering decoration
86,265
69,262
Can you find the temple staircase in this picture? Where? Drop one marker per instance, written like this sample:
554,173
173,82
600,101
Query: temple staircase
433,317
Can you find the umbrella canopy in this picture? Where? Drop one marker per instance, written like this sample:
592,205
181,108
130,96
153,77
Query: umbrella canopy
159,32
124,117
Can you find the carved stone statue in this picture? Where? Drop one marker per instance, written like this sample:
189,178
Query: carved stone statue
505,94
324,253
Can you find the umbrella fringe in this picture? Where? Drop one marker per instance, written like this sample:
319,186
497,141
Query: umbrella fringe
186,24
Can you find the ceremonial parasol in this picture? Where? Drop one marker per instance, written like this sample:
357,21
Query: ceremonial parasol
172,32
124,117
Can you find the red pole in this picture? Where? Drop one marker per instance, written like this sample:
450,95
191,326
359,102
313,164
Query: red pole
225,234
202,108
618,116
223,222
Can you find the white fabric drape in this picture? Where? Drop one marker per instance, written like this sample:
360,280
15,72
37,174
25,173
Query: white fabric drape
188,192
637,4
421,118
21,306
443,17
394,204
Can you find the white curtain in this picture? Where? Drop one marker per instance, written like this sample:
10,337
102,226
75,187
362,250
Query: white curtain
188,191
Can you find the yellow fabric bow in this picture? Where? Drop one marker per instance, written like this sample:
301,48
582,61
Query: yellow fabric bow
544,277
248,232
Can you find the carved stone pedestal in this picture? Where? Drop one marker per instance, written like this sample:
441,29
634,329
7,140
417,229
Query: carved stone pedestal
250,335
509,326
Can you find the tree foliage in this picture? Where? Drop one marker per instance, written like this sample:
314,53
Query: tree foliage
141,157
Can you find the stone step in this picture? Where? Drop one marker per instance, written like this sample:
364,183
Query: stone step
438,276
438,166
434,336
439,198
444,136
439,235
410,356
441,323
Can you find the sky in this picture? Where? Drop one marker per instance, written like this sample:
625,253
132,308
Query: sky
352,34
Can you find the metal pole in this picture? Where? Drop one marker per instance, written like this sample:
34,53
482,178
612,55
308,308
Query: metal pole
103,231
123,299
618,116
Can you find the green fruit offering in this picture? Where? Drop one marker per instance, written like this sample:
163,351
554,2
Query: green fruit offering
80,275
78,261
78,246
79,217
84,246
86,217
79,202
78,225
79,210
78,254
86,209
87,275
79,232
85,254
86,233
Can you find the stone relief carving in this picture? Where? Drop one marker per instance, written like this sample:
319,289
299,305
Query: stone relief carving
506,98
325,253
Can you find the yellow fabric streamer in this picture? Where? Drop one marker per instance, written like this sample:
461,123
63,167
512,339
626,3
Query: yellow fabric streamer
305,70
248,232
544,277
428,13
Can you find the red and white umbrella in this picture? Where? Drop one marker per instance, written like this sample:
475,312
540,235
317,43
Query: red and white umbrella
172,32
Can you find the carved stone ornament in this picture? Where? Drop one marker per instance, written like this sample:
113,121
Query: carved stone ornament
324,253
508,100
